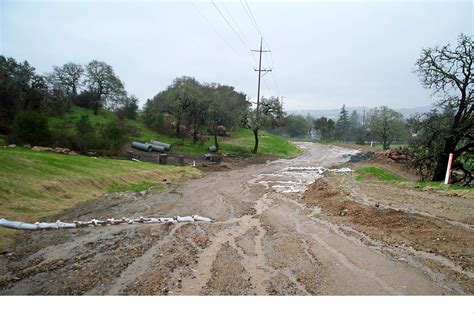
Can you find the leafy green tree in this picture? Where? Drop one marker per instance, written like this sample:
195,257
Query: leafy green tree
449,72
387,125
343,124
295,126
269,114
325,127
128,108
20,89
31,128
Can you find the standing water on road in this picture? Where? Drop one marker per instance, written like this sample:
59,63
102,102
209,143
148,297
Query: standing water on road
297,173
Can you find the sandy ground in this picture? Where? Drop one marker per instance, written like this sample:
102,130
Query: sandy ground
275,233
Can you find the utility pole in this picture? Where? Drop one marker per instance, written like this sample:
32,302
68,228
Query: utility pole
260,70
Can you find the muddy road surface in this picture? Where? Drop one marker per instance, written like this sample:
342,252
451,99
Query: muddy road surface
265,240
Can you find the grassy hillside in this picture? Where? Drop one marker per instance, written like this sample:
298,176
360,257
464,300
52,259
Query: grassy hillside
34,184
37,185
240,142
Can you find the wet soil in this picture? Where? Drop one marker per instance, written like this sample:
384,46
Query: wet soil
270,236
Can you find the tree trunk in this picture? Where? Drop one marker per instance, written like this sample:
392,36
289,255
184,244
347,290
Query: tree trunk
442,163
195,131
178,128
216,144
255,134
96,108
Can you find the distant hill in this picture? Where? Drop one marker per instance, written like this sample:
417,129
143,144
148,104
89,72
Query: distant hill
334,113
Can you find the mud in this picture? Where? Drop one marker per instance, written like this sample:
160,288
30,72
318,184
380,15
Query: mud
266,240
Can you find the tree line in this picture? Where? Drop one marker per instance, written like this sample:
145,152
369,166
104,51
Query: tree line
28,99
187,105
448,71
380,124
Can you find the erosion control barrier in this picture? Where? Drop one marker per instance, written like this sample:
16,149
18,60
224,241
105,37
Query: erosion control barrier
165,145
96,222
141,146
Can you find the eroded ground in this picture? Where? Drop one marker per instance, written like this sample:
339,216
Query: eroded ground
339,237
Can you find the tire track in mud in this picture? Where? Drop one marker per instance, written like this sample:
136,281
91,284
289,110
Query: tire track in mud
344,232
252,264
136,269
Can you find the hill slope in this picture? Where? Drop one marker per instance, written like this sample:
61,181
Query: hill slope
239,142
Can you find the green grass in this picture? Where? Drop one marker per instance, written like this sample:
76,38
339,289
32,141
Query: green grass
384,175
438,185
47,182
38,186
239,143
376,172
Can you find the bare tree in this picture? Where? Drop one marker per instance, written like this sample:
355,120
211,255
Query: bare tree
448,71
105,84
68,77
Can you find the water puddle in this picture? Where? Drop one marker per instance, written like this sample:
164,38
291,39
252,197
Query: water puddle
293,179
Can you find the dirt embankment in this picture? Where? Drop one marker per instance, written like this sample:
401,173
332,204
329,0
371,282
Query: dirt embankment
434,226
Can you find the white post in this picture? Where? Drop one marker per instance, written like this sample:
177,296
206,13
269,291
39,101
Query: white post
448,171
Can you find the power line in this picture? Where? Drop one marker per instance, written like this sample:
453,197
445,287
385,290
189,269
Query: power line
260,70
251,16
273,66
239,30
230,25
253,21
215,31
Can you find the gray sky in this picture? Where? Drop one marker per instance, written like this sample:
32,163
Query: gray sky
325,54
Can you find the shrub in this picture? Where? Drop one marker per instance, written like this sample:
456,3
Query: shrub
113,135
31,128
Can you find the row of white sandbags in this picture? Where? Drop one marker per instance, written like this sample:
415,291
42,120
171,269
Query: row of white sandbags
95,222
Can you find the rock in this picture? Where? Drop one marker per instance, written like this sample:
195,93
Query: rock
28,146
12,145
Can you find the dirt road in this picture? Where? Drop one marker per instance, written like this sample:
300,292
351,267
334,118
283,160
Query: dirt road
265,240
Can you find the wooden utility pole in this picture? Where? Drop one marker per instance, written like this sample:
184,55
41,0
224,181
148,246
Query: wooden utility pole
260,70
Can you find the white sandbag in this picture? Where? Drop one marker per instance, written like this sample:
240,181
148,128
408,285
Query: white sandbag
152,220
17,225
341,170
167,219
184,219
201,218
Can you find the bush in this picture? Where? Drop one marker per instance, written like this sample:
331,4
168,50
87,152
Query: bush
31,128
113,135
86,138
360,140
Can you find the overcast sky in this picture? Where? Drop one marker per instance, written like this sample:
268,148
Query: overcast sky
325,54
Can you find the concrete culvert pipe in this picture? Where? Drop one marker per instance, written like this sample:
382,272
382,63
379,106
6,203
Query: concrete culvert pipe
142,146
165,145
157,148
